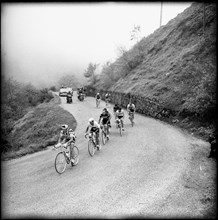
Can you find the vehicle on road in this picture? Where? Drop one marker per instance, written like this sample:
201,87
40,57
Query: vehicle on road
81,97
69,154
64,90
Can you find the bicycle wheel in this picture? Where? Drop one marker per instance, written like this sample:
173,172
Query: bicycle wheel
91,148
75,156
120,127
131,120
60,163
103,136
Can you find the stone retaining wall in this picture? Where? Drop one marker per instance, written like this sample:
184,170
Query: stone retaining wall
146,106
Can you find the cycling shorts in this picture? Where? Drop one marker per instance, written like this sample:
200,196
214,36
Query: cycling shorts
120,117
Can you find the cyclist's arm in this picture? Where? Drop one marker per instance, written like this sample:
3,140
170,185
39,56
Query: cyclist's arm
87,129
110,116
100,119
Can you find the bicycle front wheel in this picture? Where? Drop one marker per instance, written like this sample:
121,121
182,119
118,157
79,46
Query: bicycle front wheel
103,137
91,148
75,156
60,163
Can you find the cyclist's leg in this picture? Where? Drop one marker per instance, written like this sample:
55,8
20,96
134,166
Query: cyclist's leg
122,122
97,136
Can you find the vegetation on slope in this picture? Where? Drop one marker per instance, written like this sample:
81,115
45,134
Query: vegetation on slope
176,65
30,119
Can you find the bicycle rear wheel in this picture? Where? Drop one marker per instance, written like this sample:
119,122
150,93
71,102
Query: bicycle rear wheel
60,163
91,148
121,131
103,136
132,122
75,156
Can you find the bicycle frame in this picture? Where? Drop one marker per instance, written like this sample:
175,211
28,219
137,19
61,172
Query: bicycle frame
92,138
97,103
119,126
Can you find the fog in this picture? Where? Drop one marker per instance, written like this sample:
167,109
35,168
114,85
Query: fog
42,41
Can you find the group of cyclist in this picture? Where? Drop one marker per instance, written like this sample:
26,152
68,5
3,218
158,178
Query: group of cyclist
67,135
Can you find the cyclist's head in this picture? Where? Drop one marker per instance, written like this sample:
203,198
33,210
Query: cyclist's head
104,110
64,127
91,121
119,108
71,131
98,93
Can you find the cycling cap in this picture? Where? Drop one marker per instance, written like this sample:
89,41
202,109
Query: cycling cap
105,109
70,130
91,119
64,126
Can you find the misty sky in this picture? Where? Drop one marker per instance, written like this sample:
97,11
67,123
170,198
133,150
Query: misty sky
40,42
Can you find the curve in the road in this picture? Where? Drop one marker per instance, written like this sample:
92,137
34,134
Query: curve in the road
132,175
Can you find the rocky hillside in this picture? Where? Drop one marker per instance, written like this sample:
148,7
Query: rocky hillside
176,64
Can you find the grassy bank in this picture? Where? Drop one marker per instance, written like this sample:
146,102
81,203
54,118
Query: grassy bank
38,129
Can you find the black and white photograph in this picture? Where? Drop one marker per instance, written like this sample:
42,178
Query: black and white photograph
108,110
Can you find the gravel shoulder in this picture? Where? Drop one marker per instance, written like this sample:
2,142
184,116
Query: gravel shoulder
153,170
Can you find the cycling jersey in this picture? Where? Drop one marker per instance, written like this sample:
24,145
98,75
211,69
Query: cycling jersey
105,117
131,107
116,108
120,114
98,96
93,128
66,135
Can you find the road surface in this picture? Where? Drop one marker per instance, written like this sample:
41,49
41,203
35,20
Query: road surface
144,173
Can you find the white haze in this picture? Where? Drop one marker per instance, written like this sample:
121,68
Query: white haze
43,41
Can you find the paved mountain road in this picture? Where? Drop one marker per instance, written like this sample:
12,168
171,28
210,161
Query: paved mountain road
139,174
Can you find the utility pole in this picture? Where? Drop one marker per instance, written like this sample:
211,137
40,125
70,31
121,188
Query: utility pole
204,19
161,6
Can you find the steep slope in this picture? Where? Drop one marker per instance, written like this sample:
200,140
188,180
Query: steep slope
176,64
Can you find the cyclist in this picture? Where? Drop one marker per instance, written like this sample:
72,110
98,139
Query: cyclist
69,97
98,98
93,126
107,98
116,107
105,119
120,115
67,136
131,108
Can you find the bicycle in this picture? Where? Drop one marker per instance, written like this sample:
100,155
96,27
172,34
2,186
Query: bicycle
104,133
63,157
92,147
119,126
107,102
131,118
97,103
